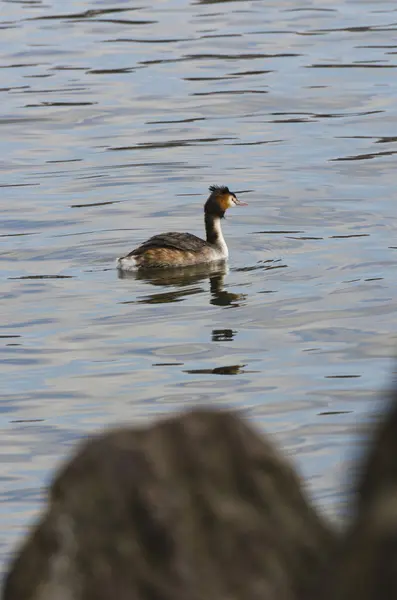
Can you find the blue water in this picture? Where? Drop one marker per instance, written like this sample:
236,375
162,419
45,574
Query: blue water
115,119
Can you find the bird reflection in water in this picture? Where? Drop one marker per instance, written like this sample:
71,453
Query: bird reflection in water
223,335
185,279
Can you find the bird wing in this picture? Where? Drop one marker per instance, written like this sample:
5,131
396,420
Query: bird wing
178,241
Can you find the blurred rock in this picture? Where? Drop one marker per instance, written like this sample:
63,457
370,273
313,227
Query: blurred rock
195,507
366,568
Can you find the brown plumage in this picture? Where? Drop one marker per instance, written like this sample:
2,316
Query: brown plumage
163,257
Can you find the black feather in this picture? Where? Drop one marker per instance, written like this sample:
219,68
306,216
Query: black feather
186,242
219,189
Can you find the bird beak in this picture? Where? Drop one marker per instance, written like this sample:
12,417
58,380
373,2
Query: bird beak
239,203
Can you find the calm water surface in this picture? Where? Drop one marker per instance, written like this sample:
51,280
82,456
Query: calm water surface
116,116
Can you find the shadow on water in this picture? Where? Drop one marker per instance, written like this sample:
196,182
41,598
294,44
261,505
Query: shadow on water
184,279
225,370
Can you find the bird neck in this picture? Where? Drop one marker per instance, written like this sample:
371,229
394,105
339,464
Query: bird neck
213,230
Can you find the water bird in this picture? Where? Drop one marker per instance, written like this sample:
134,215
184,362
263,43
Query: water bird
174,249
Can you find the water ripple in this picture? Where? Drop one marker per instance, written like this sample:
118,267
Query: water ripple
294,103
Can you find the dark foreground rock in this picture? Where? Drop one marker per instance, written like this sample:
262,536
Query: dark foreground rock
366,565
196,507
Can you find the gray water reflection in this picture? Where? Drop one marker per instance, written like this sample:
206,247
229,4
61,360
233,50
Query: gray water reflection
183,279
115,119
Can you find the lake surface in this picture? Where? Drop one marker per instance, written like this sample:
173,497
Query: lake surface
116,117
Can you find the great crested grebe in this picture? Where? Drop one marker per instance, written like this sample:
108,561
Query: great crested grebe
183,249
